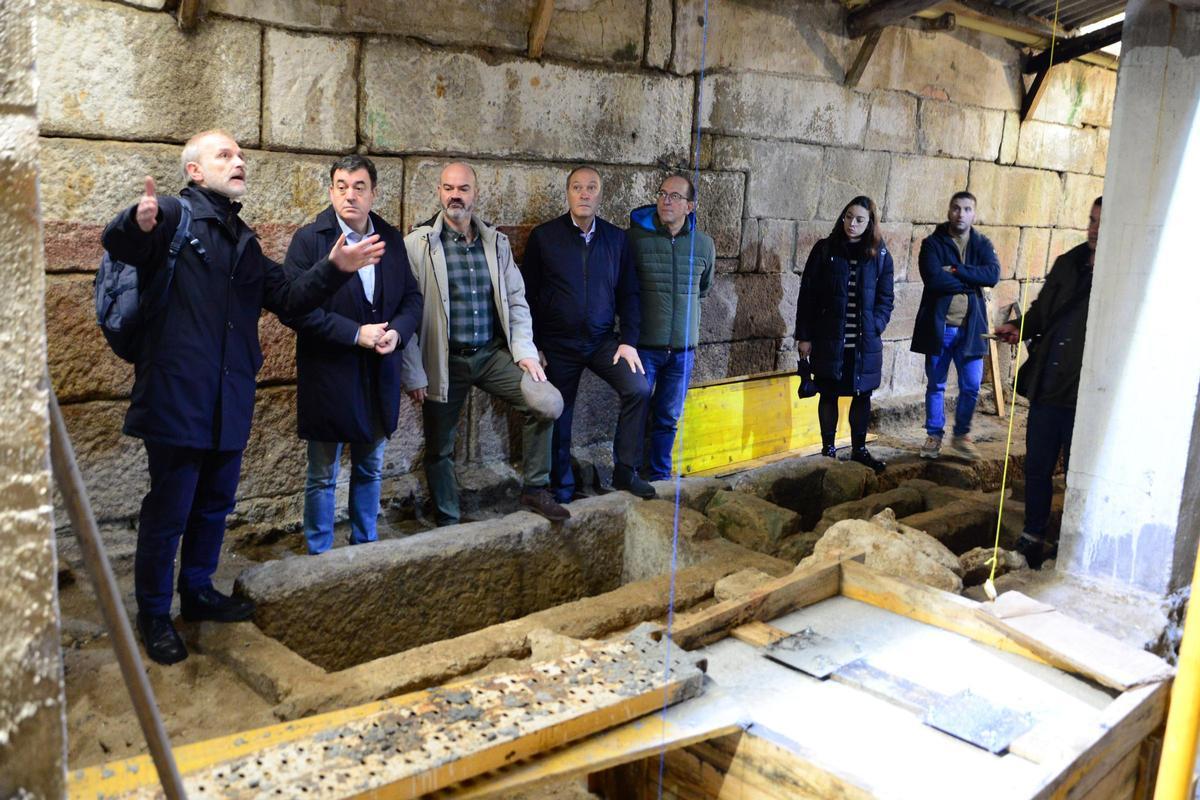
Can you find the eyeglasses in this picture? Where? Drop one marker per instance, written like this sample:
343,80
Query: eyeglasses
670,197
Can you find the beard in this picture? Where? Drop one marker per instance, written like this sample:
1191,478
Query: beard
458,213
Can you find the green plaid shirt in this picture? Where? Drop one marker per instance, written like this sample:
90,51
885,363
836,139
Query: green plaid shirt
472,313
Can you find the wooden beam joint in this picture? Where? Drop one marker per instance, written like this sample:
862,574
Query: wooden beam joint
882,13
1068,49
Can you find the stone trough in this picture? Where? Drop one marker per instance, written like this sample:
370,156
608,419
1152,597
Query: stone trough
368,622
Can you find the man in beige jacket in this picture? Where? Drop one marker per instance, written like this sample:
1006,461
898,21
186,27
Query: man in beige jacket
475,331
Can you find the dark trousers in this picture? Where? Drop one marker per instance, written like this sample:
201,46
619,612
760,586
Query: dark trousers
564,369
1047,433
191,493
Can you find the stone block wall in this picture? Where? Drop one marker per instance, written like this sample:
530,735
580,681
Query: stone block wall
32,705
783,146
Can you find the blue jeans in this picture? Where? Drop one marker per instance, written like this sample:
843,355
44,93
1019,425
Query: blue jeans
1047,433
970,374
191,493
667,372
366,470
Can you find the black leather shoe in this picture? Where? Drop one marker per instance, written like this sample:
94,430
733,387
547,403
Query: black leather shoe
1036,550
863,456
627,479
209,604
829,451
162,641
540,501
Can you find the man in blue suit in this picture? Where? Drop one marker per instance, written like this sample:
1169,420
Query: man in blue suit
347,364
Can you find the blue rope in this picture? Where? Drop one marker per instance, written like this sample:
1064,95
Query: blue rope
687,375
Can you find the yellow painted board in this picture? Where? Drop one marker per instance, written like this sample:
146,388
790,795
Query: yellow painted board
731,423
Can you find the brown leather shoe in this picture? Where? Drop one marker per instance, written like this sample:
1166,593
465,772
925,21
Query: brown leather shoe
540,501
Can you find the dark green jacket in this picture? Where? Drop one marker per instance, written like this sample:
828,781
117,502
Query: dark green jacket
663,271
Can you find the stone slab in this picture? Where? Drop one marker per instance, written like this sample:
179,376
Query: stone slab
310,97
784,178
1058,147
892,124
950,129
919,187
1011,137
660,33
136,64
897,237
593,30
962,66
518,193
1079,192
82,366
1062,240
904,313
849,173
519,108
1015,195
1007,243
750,306
17,86
818,111
1031,263
795,39
1078,94
777,245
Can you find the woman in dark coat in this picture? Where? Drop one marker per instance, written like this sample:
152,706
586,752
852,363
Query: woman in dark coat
845,303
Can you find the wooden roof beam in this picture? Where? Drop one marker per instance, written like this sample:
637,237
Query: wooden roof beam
1068,49
883,13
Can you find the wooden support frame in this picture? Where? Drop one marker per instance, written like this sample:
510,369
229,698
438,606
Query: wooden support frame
883,13
188,14
1033,95
865,51
1068,49
539,27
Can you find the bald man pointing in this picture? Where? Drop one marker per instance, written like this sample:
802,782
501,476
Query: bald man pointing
475,331
193,391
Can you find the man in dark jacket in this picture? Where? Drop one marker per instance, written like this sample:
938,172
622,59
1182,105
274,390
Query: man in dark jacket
675,262
579,277
347,367
957,263
1054,326
193,391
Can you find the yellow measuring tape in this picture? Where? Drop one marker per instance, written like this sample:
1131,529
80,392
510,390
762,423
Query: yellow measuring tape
989,586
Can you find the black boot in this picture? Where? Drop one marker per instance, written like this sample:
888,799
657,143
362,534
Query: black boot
626,478
162,641
1036,549
863,456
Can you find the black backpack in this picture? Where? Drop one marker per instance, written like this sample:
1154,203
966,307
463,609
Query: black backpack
122,310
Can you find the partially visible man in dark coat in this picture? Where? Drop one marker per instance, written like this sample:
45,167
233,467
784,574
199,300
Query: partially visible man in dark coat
1055,326
193,390
347,368
579,279
957,263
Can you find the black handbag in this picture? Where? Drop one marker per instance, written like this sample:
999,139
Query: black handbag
808,387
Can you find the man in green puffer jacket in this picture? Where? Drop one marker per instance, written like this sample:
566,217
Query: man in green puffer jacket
675,270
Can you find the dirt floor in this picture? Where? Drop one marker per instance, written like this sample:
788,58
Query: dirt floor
202,698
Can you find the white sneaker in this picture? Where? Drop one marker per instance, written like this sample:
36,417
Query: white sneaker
964,448
932,447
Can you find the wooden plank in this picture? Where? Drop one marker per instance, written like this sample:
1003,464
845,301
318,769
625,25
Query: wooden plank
1033,95
188,14
883,13
865,51
1068,49
758,634
1124,725
763,768
539,27
926,604
811,584
629,745
997,381
410,746
1073,646
1121,781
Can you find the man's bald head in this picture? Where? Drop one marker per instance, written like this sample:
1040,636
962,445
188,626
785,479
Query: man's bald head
212,159
457,192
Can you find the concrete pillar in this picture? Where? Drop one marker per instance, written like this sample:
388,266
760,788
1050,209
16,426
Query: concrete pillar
32,713
1134,483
